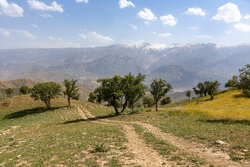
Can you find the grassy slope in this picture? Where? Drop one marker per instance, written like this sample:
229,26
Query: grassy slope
227,105
204,122
29,135
72,143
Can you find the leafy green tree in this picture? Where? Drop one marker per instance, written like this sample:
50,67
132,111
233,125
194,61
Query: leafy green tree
241,82
24,90
213,89
92,97
166,100
159,88
188,94
200,89
111,91
133,89
9,91
120,91
147,102
244,80
71,90
46,92
232,83
206,87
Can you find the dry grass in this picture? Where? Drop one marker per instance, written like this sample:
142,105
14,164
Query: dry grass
226,105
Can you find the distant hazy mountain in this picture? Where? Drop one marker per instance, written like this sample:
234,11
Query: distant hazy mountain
181,65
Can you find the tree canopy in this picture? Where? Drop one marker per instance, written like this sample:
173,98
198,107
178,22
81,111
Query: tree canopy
188,93
71,90
241,82
46,92
24,90
159,88
207,88
121,91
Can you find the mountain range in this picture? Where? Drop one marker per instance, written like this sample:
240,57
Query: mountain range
183,65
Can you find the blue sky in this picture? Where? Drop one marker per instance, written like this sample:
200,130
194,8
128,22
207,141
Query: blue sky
88,23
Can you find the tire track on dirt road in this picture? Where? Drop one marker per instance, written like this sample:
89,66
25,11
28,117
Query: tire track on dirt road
144,155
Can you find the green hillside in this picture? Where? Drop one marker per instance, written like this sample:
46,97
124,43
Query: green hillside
90,134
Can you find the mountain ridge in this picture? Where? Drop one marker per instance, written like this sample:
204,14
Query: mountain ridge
197,62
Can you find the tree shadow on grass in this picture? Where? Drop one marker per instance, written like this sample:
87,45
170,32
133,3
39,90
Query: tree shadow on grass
92,119
227,121
23,113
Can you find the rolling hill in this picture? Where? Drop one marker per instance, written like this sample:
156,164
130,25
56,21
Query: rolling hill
89,134
84,90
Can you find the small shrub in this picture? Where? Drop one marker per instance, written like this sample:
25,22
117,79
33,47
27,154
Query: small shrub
100,148
165,101
136,111
148,102
148,110
24,90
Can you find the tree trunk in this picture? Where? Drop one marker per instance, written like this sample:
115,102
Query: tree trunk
124,105
48,104
116,110
69,101
156,105
212,97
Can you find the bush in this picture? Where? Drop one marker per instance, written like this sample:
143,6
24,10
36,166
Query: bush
148,102
166,100
136,111
9,91
92,97
100,148
24,90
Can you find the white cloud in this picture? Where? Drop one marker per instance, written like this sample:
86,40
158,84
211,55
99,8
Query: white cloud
46,15
125,3
146,14
228,13
6,33
83,36
242,27
133,27
195,11
34,26
80,1
204,36
24,33
247,16
162,35
34,4
99,37
146,22
10,9
168,20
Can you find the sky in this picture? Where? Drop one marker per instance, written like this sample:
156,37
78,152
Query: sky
90,23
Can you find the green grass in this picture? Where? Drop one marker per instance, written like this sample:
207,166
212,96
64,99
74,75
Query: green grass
31,135
170,152
198,125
